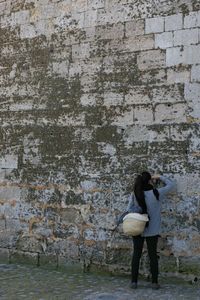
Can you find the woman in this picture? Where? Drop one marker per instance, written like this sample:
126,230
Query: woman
149,201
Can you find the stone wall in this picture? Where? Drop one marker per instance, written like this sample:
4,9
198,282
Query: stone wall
93,92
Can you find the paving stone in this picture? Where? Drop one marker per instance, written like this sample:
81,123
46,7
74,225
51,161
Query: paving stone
26,282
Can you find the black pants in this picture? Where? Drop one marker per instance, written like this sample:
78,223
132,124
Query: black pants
138,243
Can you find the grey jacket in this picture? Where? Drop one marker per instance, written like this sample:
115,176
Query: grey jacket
153,206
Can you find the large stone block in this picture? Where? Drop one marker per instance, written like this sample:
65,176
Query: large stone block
88,84
192,20
143,114
89,99
192,95
2,8
48,260
28,31
168,93
186,37
158,133
134,28
185,55
95,4
155,76
9,162
113,99
191,54
151,59
181,75
16,257
20,17
170,113
124,119
80,51
174,22
79,5
115,31
8,238
30,243
135,133
174,56
178,132
190,266
91,18
139,43
139,95
10,195
154,25
164,40
195,73
192,91
4,256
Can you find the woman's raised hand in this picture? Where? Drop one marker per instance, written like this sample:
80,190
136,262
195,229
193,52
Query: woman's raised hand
155,177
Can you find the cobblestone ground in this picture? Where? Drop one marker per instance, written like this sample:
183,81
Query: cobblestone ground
24,282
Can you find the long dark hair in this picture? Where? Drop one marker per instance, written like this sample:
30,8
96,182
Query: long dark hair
142,184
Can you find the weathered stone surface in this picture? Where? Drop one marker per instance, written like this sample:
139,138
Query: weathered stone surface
172,113
92,92
174,22
164,40
151,59
195,73
154,25
4,256
192,20
17,257
178,75
186,37
188,55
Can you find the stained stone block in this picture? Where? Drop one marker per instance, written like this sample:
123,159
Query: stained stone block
178,76
143,115
168,93
170,113
139,43
80,51
151,59
23,257
115,31
137,96
48,260
174,56
192,91
21,17
2,8
185,55
186,37
164,40
192,20
195,73
9,162
154,25
27,31
95,4
174,22
4,256
133,28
